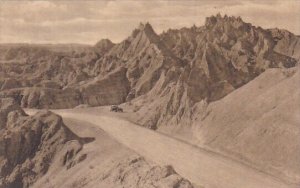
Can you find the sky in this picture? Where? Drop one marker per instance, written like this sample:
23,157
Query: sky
87,22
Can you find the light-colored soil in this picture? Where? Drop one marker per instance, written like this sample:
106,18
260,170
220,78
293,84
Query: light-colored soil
198,165
109,164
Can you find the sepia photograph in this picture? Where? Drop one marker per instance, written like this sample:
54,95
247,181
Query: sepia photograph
149,94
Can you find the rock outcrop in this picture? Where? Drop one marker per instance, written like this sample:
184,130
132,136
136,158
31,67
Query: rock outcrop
207,62
286,43
136,172
214,60
29,144
102,90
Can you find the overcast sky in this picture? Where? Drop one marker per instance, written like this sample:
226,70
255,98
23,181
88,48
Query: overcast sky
89,21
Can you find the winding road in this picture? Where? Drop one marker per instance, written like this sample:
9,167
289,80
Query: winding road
199,166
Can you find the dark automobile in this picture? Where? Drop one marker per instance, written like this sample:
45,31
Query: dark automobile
115,108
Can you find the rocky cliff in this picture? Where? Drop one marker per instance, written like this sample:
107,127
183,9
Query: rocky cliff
29,144
207,62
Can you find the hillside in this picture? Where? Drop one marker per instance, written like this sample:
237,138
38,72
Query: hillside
257,124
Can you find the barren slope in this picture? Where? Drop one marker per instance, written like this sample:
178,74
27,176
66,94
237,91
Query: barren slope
109,164
198,165
258,123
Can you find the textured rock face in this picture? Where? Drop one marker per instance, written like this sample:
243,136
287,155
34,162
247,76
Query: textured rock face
209,63
28,145
136,172
286,43
102,90
6,106
206,62
170,72
40,97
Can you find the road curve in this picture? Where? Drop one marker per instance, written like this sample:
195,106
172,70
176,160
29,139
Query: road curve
198,166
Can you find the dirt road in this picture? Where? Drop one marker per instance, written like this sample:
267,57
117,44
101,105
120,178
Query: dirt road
197,165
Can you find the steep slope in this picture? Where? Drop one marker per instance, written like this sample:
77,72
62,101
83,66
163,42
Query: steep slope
29,145
258,123
222,56
145,56
102,91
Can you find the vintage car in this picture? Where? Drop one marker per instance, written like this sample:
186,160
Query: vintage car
115,108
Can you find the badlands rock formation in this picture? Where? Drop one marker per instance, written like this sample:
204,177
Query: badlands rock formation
206,62
29,145
228,84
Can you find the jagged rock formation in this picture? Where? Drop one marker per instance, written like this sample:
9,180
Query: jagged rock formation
286,43
208,62
214,60
169,80
29,144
